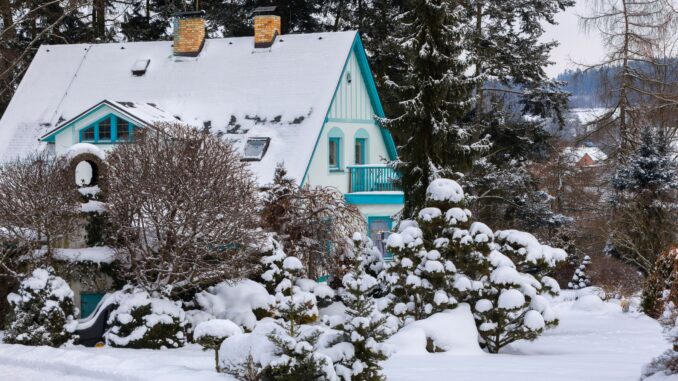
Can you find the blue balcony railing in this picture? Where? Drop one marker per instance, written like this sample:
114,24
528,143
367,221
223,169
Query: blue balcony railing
372,178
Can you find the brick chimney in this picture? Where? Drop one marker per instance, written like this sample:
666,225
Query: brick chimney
267,26
189,33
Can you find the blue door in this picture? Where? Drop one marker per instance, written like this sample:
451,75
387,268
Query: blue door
88,303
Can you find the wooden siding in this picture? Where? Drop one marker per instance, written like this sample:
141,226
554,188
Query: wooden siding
352,100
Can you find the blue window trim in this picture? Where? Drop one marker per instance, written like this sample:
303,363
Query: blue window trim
394,198
114,131
336,141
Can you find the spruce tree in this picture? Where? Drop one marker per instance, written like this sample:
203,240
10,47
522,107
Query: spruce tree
436,97
580,279
364,328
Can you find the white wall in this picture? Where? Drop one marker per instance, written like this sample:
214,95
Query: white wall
351,110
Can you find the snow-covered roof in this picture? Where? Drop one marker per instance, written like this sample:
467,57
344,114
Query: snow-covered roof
283,92
576,154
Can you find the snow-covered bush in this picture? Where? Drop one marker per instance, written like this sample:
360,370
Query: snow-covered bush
42,311
283,277
212,333
580,278
242,302
144,321
443,257
364,328
422,276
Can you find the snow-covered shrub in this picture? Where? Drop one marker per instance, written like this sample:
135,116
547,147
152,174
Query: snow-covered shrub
297,357
443,257
283,277
364,328
243,302
144,321
42,311
212,333
580,278
422,276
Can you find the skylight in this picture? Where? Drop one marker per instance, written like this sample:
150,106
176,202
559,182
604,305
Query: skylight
255,148
140,66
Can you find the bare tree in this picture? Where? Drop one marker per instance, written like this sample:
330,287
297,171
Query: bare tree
183,205
39,208
315,224
641,39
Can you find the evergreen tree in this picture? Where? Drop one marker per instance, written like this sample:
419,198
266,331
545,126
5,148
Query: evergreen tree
42,311
296,343
365,328
436,97
445,257
580,279
643,220
508,56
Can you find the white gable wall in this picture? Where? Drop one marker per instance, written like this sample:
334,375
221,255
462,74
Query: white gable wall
350,111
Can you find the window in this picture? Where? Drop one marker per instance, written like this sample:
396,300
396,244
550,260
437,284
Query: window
360,147
123,128
255,148
335,149
105,129
110,129
87,135
334,158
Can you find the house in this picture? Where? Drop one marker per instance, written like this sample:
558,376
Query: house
308,100
587,155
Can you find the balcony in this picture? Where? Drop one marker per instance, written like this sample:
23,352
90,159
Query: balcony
372,178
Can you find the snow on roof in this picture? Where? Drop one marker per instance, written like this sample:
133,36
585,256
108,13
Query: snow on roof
283,93
576,154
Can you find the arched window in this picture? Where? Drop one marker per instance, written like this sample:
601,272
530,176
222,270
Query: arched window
361,147
334,149
107,130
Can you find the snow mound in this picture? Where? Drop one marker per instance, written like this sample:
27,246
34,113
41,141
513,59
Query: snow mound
220,328
236,301
453,331
593,303
444,190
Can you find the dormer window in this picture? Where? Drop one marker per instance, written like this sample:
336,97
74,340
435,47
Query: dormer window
107,130
255,149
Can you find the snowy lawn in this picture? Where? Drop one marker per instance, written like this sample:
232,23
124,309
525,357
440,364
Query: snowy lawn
593,342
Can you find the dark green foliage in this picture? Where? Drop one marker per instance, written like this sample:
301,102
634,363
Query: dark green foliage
42,311
300,360
435,98
141,321
365,327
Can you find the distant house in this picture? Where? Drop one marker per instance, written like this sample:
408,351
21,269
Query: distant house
308,100
587,155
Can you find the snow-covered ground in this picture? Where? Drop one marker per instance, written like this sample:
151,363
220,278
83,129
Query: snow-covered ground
595,341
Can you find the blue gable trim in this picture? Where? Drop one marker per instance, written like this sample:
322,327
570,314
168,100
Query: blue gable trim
366,74
359,51
51,136
375,198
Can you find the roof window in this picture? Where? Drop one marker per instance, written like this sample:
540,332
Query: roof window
139,67
255,149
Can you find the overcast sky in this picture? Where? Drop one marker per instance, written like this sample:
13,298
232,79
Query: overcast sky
575,45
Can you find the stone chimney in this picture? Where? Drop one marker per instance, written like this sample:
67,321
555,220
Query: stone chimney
189,33
267,26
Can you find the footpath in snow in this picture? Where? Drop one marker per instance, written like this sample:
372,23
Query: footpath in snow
595,341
